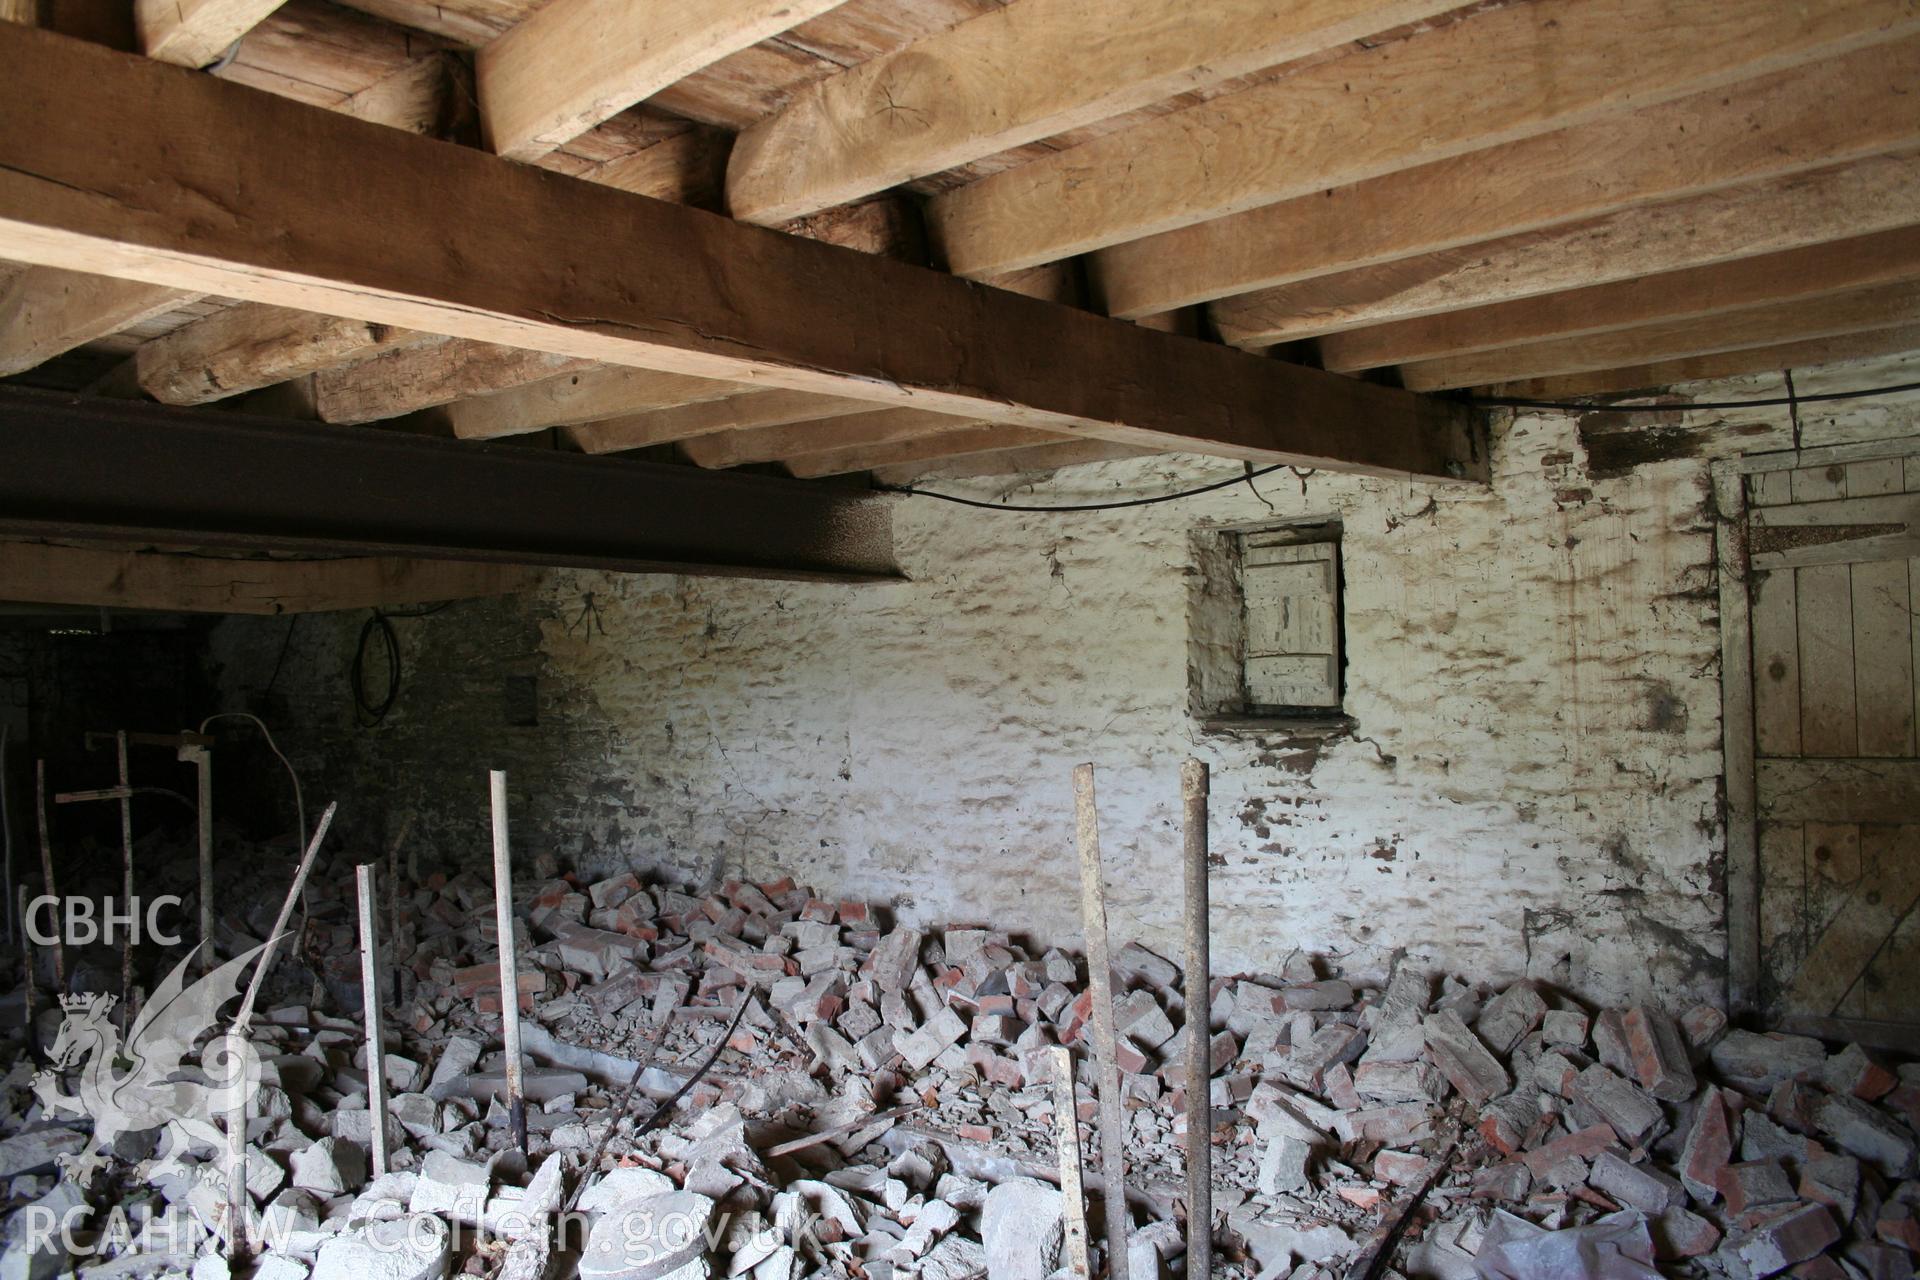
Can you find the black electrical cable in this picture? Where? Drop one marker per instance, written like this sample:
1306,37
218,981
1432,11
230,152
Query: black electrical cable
1487,402
372,713
1243,478
1512,402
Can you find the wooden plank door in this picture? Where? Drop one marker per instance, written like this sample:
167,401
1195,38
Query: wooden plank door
1833,619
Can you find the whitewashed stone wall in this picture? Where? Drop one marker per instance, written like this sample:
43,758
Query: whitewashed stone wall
1533,788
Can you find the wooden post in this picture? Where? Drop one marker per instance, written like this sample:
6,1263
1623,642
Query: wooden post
1113,1123
370,1001
201,758
238,1245
46,872
1199,991
509,963
1066,1138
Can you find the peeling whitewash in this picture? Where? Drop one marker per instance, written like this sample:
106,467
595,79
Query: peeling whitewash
1533,785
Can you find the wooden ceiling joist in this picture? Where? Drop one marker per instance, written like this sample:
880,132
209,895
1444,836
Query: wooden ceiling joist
989,437
773,443
732,415
1881,194
1039,457
575,63
48,311
406,380
1489,79
589,395
1013,76
1726,364
182,582
250,346
1800,274
193,33
1841,109
329,214
1884,307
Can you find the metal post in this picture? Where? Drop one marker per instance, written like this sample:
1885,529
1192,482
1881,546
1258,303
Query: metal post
46,872
509,962
1113,1126
26,959
201,759
1199,991
126,877
238,1246
1066,1138
370,1001
393,893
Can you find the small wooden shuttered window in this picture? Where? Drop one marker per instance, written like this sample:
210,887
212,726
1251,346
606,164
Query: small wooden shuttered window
1291,591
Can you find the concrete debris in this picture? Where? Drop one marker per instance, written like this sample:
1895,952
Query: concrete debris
884,1111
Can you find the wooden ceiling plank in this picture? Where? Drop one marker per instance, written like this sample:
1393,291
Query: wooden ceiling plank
194,33
1813,272
986,437
1729,364
588,395
404,381
1833,111
819,435
1041,457
1884,307
251,346
575,63
1019,74
1489,79
330,214
1875,195
48,311
47,573
732,415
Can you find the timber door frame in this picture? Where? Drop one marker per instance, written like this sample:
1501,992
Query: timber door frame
1737,735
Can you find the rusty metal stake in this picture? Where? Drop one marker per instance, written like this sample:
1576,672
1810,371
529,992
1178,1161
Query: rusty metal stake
370,1005
46,873
1113,1125
509,962
1066,1138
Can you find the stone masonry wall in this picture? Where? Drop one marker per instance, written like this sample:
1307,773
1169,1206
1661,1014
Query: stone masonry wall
1533,786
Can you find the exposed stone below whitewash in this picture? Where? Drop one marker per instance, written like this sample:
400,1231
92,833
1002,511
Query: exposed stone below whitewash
1532,789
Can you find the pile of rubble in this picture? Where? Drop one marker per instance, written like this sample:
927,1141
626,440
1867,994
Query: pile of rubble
880,1105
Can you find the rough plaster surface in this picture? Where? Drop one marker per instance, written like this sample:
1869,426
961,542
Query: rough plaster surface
1533,786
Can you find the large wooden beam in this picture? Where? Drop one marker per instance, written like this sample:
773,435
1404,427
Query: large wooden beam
731,415
980,438
48,311
183,582
193,33
575,63
330,214
863,430
1814,272
1841,109
1741,222
249,346
1015,75
1726,364
1884,307
1510,73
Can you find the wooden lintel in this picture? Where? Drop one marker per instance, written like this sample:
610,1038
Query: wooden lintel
331,214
